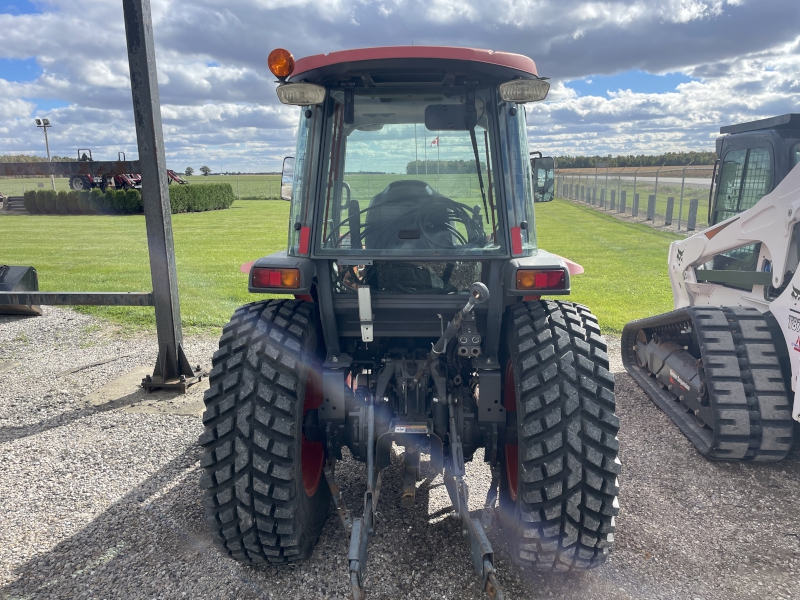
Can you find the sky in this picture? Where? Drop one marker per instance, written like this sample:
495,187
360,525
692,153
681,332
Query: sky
628,76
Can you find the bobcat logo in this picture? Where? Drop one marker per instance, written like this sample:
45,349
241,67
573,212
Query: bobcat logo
795,294
680,258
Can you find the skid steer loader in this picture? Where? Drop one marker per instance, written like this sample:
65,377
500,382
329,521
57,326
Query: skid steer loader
724,364
416,320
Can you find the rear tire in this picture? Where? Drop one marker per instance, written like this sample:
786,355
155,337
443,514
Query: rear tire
265,498
79,183
558,490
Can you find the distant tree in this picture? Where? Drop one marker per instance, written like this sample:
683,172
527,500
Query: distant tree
189,171
205,170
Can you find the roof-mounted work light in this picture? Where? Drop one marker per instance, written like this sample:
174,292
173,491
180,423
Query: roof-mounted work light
524,90
301,94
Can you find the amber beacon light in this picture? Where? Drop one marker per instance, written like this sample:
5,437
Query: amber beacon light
281,63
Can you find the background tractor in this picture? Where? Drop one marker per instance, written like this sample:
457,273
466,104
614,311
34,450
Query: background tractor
125,181
416,321
724,364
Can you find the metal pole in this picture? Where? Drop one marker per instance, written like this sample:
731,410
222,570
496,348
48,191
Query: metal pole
47,145
172,369
683,181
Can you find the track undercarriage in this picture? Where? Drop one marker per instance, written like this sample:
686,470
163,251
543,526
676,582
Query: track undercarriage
716,373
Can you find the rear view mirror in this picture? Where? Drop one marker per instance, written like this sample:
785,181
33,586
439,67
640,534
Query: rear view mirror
543,170
287,178
444,117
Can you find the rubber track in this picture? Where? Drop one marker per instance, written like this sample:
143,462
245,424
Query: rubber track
253,493
745,384
567,437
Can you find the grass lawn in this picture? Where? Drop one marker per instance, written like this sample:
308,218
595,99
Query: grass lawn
626,272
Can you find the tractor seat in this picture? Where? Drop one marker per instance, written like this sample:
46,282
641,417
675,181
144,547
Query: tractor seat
396,214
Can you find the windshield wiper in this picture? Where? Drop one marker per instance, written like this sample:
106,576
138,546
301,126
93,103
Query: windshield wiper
471,120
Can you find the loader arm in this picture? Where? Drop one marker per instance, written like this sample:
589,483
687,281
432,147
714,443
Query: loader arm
771,223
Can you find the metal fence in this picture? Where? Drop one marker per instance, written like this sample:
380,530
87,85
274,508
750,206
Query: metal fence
671,197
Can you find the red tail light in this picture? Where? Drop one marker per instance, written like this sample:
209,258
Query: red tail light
529,279
276,278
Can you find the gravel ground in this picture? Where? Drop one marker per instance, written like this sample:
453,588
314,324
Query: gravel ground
100,498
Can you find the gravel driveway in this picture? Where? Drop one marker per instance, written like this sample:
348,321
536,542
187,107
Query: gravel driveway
100,498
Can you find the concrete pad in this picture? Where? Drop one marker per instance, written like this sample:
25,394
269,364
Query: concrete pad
126,394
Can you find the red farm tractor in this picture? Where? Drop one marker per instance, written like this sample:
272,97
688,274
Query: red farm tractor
415,316
125,181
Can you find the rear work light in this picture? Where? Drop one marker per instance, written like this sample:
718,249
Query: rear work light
529,279
276,278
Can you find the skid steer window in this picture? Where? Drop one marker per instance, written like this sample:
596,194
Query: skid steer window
796,154
409,176
745,178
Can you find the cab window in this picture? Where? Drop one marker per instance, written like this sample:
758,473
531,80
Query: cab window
745,178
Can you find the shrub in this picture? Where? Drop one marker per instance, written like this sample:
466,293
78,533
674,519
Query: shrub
97,202
62,203
29,200
46,201
41,205
84,203
73,201
133,200
196,198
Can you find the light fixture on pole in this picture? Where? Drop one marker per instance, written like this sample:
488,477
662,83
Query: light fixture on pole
44,124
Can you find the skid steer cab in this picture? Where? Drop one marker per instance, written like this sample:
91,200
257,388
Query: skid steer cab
415,318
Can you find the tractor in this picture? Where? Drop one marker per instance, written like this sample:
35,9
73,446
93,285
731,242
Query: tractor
126,181
723,364
415,318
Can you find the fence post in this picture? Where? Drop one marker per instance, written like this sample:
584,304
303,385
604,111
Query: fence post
623,196
691,222
594,196
635,207
680,213
651,208
670,208
603,198
613,200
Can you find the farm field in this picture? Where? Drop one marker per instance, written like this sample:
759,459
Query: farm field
626,274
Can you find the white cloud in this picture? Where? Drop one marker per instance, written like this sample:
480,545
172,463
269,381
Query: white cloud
742,54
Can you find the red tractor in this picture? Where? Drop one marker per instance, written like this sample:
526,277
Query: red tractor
125,181
413,314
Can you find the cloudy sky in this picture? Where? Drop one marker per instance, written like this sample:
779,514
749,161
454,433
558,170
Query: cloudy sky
629,76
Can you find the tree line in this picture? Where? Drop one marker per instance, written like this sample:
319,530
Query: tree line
670,159
444,167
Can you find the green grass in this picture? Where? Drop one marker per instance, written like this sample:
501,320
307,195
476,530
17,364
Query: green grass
625,263
626,272
109,253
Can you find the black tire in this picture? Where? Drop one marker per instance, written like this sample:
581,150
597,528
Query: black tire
255,496
557,379
80,183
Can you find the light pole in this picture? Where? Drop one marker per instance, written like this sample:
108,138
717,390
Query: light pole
44,124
